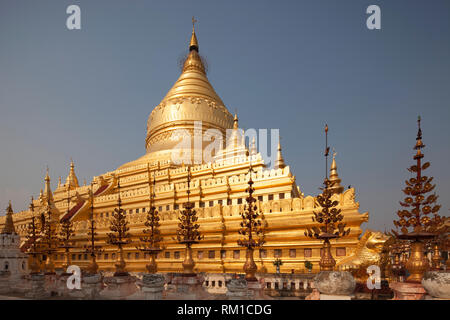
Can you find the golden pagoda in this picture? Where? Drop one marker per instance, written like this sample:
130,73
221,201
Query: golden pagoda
217,190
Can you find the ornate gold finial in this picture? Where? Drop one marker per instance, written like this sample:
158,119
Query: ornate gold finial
327,151
47,177
193,45
419,144
47,189
334,177
9,224
72,180
279,164
235,122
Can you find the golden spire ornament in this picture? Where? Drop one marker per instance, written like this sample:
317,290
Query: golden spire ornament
334,177
187,232
250,230
151,242
193,45
119,235
416,211
329,218
279,163
92,249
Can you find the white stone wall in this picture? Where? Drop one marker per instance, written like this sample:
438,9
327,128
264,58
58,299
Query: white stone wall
11,258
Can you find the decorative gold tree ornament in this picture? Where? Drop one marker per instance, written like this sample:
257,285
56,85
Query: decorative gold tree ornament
49,237
329,218
151,242
415,213
32,238
119,235
92,248
66,233
187,232
250,230
49,240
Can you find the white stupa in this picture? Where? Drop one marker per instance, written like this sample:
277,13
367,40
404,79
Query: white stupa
13,262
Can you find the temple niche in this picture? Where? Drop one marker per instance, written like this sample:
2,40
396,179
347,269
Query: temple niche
217,189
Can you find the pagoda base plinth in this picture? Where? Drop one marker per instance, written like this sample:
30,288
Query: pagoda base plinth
119,287
256,290
187,286
237,289
37,291
335,283
152,287
62,289
408,291
91,286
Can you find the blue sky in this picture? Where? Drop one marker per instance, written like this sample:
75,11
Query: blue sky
293,65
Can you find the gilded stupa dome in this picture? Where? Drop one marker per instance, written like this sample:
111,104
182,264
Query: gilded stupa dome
192,98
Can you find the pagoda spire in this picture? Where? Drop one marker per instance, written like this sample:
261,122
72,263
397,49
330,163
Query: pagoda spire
72,180
235,122
8,228
279,164
334,177
193,45
47,190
